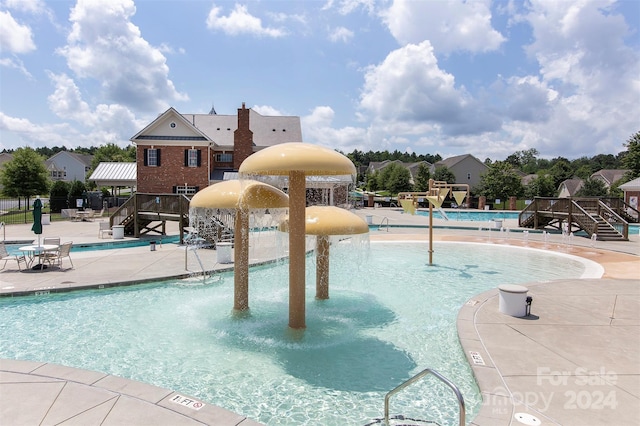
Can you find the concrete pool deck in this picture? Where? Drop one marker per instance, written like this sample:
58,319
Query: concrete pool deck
574,361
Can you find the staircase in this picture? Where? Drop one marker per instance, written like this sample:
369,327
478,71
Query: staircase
606,231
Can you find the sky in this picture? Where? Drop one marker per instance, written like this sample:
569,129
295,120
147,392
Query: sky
447,77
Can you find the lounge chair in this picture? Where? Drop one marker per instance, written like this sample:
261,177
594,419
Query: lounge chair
63,251
4,255
105,228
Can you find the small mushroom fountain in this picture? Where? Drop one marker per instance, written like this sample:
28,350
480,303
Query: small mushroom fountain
323,222
241,197
296,161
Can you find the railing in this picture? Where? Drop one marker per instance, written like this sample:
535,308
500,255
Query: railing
613,219
382,222
417,377
4,231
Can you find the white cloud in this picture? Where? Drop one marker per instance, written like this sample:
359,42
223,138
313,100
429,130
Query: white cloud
408,86
15,37
31,6
450,26
267,110
17,64
317,128
340,34
37,134
240,21
104,45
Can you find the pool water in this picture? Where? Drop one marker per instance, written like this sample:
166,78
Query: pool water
12,249
387,319
473,216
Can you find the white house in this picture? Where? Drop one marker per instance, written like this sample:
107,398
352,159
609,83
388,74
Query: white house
68,166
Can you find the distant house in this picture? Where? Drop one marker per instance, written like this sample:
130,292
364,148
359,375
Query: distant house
68,166
570,187
608,177
466,168
183,153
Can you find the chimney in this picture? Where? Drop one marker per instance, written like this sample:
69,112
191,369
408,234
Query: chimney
242,138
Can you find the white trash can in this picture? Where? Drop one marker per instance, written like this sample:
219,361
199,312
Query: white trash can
117,232
369,219
46,219
497,223
224,252
513,300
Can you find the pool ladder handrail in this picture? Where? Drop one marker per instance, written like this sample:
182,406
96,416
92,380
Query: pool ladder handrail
414,379
382,222
4,231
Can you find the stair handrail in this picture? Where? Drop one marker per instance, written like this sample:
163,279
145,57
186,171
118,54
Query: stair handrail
583,218
417,377
613,219
382,221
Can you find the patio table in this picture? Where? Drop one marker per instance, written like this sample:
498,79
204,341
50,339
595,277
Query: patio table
36,251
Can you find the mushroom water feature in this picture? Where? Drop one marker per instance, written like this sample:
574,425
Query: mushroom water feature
323,222
296,161
241,198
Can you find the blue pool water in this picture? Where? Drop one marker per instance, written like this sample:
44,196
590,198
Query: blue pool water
474,216
388,318
108,245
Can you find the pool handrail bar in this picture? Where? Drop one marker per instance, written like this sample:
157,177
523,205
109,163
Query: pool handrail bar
4,231
382,221
417,377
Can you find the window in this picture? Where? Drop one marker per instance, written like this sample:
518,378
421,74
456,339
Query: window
152,157
192,158
186,189
224,157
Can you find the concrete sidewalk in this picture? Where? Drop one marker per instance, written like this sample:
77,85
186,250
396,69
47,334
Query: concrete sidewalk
575,361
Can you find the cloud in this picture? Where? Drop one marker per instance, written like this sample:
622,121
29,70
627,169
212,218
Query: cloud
340,34
15,37
105,46
17,64
240,21
37,134
318,129
408,86
453,25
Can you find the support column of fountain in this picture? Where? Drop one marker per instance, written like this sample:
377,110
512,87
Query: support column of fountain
297,249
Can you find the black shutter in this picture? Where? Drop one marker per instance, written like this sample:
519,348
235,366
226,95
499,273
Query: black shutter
158,156
146,162
199,157
186,158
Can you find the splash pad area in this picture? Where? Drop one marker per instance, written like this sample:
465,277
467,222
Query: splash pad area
387,319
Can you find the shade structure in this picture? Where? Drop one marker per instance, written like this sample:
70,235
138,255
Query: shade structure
242,197
297,160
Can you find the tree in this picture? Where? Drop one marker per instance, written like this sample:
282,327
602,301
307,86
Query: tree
58,197
443,174
500,181
399,180
561,170
542,186
25,175
77,190
421,180
631,160
592,188
372,181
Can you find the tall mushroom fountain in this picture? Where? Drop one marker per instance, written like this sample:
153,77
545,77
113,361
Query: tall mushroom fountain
296,161
240,197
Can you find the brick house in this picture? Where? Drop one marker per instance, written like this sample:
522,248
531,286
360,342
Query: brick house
183,153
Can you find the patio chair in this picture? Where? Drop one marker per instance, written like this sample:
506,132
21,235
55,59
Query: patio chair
47,255
105,228
63,251
4,255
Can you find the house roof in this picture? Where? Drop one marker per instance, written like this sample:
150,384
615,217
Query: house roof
572,185
219,129
452,161
609,176
632,185
84,159
115,174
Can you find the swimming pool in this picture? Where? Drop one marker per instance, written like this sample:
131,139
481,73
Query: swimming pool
474,216
387,319
12,249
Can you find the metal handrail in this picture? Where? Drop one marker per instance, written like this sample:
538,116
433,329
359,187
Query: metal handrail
415,379
4,231
382,221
